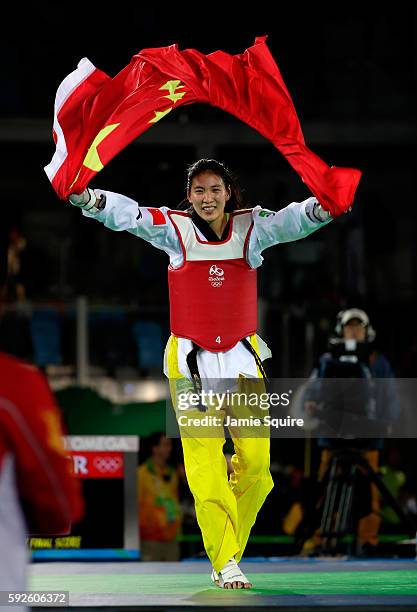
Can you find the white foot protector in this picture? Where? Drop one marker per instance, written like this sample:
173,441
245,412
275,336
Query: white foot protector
215,577
230,573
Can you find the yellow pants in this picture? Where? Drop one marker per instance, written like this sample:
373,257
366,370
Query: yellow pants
226,508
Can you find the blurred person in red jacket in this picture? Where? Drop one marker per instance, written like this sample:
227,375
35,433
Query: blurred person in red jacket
38,493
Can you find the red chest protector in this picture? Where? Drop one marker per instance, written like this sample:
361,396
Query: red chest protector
213,295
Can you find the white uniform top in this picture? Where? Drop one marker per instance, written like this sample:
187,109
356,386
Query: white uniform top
293,222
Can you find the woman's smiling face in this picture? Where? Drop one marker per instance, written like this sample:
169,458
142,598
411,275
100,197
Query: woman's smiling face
208,196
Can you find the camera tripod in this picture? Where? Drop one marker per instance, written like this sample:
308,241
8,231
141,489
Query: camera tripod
337,521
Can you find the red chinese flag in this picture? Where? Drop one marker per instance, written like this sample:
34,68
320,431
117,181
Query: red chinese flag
96,116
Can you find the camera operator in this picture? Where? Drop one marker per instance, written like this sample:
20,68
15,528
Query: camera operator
353,347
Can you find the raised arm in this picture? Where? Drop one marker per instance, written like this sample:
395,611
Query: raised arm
295,221
120,213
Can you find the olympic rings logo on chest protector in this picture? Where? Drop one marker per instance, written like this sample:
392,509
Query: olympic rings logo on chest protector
216,276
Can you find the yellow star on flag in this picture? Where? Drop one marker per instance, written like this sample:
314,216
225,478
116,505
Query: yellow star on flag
92,159
160,114
171,86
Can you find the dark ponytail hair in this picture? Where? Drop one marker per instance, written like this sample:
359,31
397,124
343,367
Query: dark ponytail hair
212,165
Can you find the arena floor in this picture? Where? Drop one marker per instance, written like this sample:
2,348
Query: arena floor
285,583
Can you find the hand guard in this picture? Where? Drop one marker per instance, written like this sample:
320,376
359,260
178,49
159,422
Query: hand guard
320,213
315,212
86,199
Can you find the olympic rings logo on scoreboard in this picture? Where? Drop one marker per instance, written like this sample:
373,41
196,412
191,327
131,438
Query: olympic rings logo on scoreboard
89,464
107,465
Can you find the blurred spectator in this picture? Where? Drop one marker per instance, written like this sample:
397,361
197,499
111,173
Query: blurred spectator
298,493
14,323
15,284
401,481
394,479
37,492
159,508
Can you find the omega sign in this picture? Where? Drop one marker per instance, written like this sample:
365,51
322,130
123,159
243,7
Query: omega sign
102,443
216,276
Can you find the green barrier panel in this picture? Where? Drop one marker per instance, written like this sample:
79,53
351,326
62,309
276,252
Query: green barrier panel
288,539
87,413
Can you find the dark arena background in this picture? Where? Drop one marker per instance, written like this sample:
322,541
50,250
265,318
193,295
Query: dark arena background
89,306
